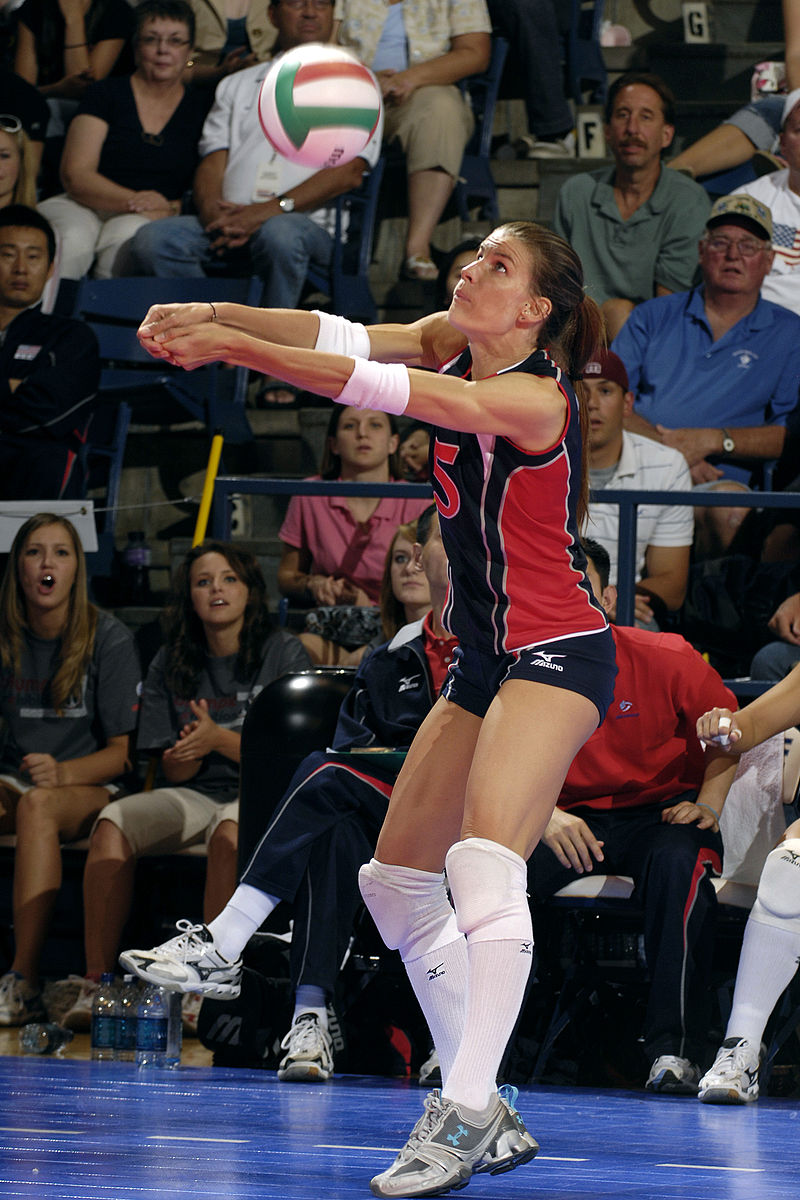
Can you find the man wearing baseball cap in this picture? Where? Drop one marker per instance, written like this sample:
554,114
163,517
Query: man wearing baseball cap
716,370
780,191
622,460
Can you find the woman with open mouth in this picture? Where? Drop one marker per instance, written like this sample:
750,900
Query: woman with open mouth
69,678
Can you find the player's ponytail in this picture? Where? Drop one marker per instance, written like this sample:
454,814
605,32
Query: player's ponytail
574,331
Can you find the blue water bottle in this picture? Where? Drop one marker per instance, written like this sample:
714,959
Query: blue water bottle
152,1028
104,1020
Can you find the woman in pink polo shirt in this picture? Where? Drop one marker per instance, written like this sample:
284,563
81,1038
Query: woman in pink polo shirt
334,547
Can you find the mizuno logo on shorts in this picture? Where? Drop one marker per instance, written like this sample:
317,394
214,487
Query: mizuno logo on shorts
545,659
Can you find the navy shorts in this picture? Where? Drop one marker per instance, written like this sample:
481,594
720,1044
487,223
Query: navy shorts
586,665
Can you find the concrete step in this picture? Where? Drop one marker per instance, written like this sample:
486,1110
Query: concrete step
744,21
710,72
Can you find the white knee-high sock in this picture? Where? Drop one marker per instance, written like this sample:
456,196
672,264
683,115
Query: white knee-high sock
767,965
488,886
244,913
414,915
439,980
771,946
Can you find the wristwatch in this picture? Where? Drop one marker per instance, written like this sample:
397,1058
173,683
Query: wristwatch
728,444
286,204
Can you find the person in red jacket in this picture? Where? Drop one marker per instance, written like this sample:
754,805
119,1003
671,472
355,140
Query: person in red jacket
642,798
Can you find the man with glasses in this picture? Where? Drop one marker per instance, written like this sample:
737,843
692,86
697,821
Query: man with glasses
257,212
716,370
781,191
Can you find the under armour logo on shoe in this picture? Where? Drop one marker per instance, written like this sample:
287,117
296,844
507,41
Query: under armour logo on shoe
436,972
455,1138
526,947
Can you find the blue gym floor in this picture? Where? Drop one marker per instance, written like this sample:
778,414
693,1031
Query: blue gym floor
72,1130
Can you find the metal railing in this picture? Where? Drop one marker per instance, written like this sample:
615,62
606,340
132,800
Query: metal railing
228,486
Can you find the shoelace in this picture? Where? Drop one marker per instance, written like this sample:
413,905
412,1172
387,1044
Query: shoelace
181,943
305,1035
424,1126
732,1061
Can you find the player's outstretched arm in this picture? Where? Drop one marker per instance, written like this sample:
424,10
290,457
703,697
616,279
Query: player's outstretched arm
424,343
528,410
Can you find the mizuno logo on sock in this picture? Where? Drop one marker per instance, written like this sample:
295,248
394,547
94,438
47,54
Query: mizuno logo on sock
526,947
436,972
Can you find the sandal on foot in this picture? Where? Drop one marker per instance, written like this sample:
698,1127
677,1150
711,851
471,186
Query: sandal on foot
420,268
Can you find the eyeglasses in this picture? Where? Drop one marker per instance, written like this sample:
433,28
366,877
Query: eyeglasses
152,40
747,247
296,5
10,124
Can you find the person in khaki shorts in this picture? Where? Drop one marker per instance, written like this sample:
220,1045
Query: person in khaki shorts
220,651
419,50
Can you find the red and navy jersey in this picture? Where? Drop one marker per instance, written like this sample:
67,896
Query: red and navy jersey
508,518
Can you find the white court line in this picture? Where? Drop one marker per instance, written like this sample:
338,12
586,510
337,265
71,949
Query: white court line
165,1137
706,1167
49,1132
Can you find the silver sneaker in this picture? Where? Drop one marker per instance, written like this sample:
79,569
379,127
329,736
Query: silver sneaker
189,962
674,1076
309,1052
20,1003
449,1143
733,1079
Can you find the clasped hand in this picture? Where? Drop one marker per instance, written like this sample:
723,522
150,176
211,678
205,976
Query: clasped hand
197,739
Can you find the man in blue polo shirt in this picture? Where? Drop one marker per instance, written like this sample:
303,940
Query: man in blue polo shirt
716,370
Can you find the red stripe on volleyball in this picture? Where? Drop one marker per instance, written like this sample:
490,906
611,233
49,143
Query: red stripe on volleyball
312,72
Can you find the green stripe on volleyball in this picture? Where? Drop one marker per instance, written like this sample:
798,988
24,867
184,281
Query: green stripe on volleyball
319,106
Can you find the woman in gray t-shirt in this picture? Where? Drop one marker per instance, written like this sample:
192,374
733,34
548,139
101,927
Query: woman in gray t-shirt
220,650
69,677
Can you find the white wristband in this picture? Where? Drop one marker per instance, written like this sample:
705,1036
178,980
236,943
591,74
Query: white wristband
337,335
385,386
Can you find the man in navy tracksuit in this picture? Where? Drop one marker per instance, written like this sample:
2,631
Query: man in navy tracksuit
49,370
325,826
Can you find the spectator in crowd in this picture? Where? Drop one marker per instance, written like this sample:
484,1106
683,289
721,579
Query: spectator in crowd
780,192
131,150
533,70
413,452
257,212
8,35
64,45
635,228
17,168
49,370
716,370
771,946
334,547
642,799
756,126
20,101
316,840
68,698
233,34
619,459
419,52
775,660
404,597
220,651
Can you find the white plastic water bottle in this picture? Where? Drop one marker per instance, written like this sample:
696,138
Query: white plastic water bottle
104,1020
152,1027
128,1005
